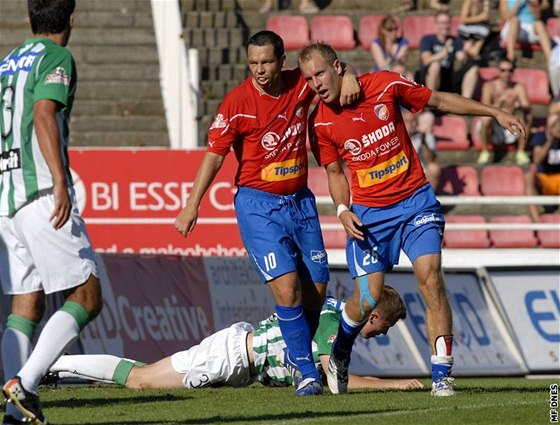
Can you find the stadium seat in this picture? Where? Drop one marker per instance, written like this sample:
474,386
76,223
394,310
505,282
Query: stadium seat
459,180
549,238
336,238
553,27
334,30
536,81
317,181
293,30
451,133
488,73
512,238
502,180
416,27
455,22
367,28
477,238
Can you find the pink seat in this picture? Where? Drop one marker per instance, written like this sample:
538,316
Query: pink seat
512,238
460,180
451,133
477,238
549,238
455,22
334,239
536,82
488,73
334,30
553,27
293,30
317,181
502,180
416,27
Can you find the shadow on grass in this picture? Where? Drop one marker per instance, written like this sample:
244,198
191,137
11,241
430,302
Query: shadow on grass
96,402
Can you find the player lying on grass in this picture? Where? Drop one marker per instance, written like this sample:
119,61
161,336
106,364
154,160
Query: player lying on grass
239,355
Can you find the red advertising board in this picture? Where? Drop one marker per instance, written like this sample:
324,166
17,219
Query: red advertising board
153,306
130,198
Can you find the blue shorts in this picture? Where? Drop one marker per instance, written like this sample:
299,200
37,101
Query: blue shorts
282,234
414,225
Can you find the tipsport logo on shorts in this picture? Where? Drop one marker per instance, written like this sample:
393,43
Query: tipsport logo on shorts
384,171
285,170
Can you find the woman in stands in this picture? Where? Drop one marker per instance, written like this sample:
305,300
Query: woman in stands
389,48
523,23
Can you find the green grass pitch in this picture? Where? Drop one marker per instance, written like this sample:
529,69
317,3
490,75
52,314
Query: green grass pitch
479,401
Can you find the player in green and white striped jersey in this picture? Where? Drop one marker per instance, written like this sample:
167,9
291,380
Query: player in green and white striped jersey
237,356
44,246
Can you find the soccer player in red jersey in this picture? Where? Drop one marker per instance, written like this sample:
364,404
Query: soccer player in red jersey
264,119
393,205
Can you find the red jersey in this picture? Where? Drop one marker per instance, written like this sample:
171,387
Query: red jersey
268,134
371,138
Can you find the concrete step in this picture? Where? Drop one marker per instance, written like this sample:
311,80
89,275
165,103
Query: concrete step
93,55
213,37
209,19
119,72
86,5
122,107
209,5
120,139
117,90
119,123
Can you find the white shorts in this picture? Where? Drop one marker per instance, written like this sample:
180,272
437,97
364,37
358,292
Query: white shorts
34,256
220,359
526,34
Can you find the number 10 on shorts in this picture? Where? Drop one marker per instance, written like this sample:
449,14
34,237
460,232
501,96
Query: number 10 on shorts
270,261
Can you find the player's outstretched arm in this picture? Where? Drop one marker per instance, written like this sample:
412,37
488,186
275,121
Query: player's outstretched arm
455,104
186,220
356,381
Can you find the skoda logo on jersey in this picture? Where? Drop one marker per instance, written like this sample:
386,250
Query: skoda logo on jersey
353,146
381,111
270,141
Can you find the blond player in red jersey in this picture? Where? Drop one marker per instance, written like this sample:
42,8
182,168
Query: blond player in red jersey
264,120
393,205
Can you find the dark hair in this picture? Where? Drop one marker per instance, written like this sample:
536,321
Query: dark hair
392,304
508,60
323,49
50,16
264,38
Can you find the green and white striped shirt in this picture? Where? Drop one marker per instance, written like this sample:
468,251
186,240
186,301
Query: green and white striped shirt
36,70
268,344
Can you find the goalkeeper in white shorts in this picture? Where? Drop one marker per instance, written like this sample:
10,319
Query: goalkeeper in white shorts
238,356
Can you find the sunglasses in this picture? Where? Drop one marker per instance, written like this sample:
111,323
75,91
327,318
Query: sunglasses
506,69
391,29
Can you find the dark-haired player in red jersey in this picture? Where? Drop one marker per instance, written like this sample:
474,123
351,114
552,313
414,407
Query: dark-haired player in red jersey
264,119
393,205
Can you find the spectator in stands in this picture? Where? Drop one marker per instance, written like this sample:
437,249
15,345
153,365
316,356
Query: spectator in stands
439,5
475,25
554,67
305,6
419,128
504,93
389,48
522,23
445,65
543,176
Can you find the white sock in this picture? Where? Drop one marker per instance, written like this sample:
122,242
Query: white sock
16,348
96,367
59,332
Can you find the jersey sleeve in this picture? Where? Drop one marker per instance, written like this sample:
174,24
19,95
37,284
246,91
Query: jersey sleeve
411,95
326,333
323,148
54,76
223,132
